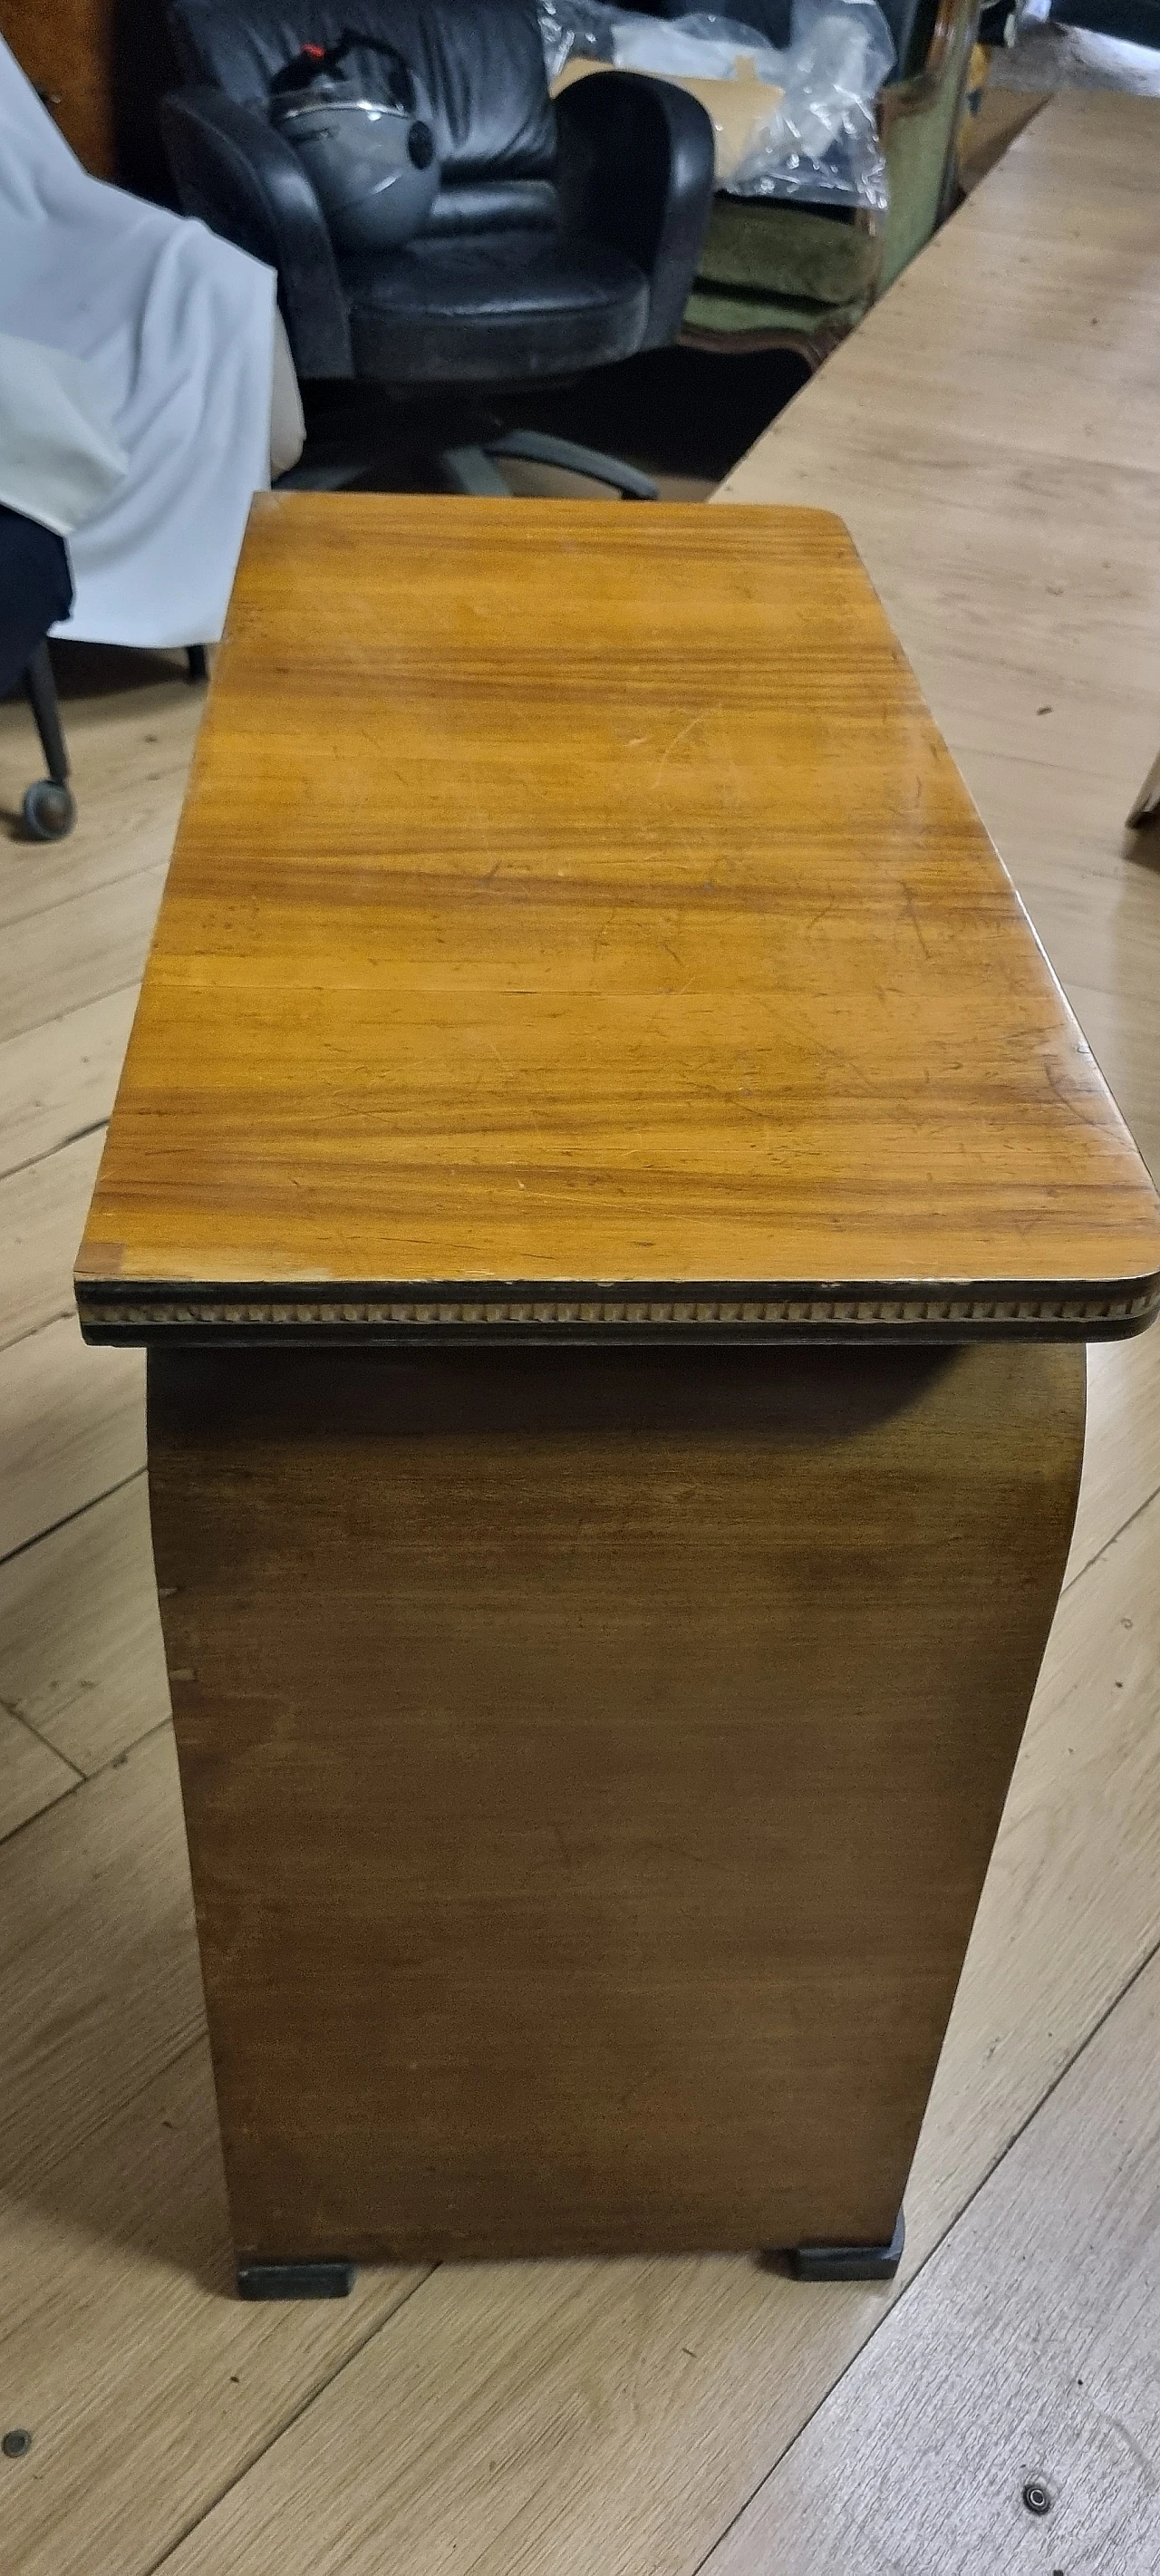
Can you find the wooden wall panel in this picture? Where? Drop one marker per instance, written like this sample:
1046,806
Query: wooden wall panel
103,64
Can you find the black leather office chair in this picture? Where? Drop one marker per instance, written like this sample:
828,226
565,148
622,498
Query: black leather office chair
564,236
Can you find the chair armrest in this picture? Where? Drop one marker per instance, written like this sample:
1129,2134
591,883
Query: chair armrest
247,183
635,169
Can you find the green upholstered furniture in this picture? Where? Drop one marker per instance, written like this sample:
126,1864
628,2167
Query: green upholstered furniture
783,276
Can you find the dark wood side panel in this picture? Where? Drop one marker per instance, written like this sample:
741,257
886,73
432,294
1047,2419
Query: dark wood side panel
103,65
591,1764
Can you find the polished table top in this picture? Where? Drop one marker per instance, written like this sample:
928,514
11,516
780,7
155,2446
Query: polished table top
577,925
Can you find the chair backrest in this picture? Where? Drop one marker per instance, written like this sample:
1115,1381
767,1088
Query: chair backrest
480,62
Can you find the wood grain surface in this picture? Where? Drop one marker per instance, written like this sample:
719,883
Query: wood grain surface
104,65
72,1424
548,2418
38,1206
988,435
1020,2355
572,904
537,2419
97,943
58,1080
81,1658
108,2144
32,1776
590,1764
74,1941
150,2274
67,52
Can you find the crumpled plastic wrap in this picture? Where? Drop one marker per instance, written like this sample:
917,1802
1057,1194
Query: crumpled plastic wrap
819,144
574,31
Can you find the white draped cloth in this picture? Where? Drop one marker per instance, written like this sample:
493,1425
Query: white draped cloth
176,329
60,456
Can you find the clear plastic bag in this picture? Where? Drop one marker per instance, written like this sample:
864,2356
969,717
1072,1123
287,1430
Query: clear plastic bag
700,47
819,143
574,31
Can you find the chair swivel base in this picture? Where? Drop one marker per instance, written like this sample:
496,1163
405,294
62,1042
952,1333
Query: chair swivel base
470,469
295,2280
849,2262
365,444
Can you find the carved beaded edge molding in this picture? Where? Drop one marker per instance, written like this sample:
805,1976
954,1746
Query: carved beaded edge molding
1029,1309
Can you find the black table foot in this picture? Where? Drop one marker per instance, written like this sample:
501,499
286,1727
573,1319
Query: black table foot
295,2280
849,2262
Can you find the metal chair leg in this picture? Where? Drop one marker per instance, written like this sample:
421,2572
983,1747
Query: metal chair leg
40,688
326,474
540,448
470,470
49,807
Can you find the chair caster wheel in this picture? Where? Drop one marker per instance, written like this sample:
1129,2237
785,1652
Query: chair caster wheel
49,811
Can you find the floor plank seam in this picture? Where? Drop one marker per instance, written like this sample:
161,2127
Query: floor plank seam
80,894
893,2305
966,508
67,1518
117,1760
84,1779
13,1710
15,2184
60,1019
112,2118
50,1805
77,1137
59,1315
278,2434
1101,1552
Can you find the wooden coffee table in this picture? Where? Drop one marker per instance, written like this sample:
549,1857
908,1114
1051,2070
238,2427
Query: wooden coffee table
615,1199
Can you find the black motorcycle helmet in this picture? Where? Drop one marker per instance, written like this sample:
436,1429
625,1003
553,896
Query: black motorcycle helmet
371,160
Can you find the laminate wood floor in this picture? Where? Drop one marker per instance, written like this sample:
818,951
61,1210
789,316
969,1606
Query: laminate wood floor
635,2417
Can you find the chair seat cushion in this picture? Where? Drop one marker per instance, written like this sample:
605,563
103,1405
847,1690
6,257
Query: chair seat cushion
777,251
479,311
496,206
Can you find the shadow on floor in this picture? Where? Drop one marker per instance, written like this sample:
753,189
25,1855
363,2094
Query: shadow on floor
107,670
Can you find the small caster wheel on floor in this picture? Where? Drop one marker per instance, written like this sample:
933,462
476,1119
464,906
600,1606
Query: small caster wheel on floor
49,810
